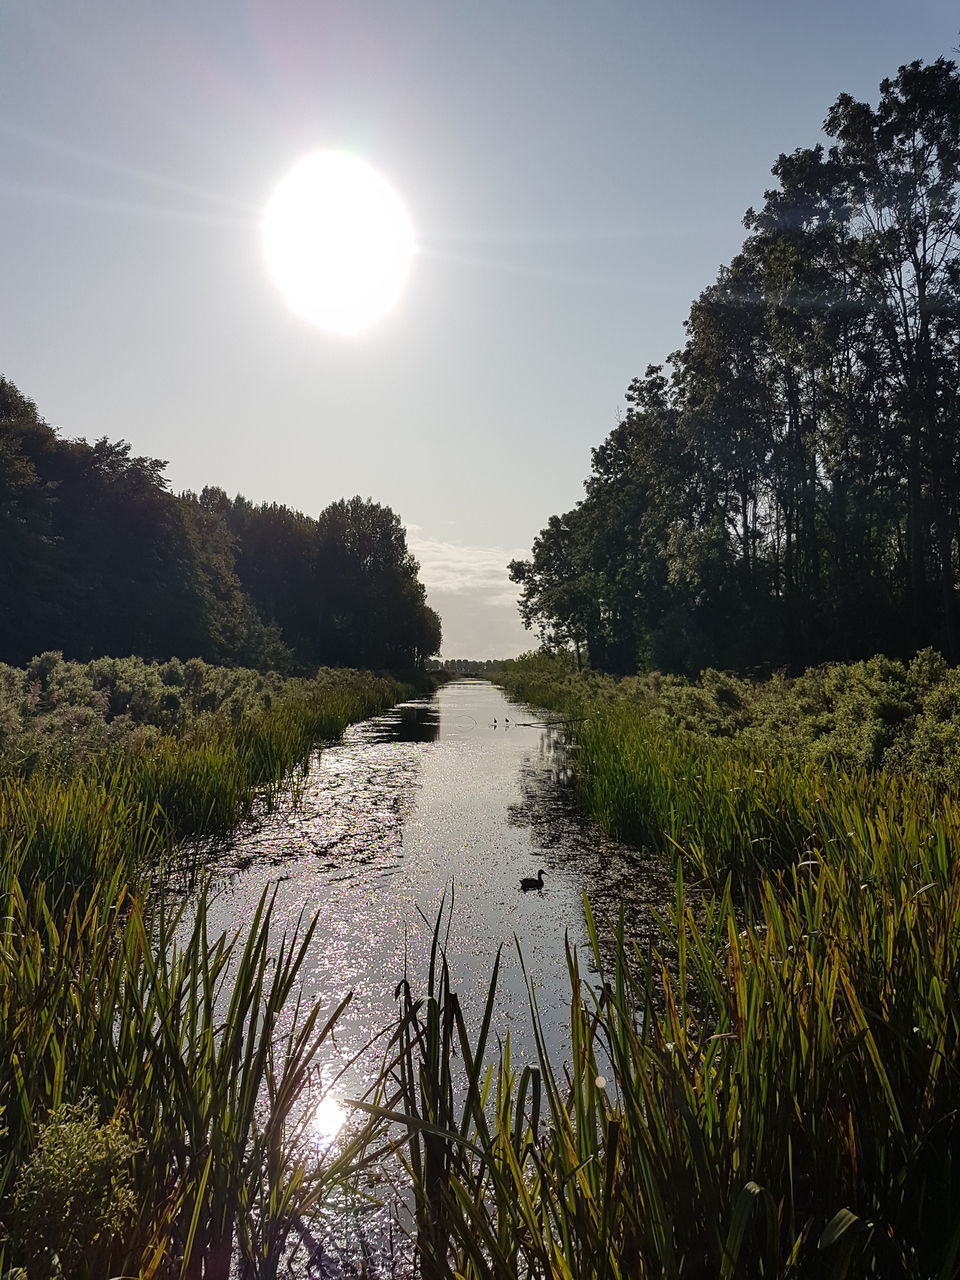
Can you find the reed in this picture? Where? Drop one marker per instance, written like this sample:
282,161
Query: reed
724,807
769,1093
195,1045
781,1104
124,811
130,1034
207,781
63,836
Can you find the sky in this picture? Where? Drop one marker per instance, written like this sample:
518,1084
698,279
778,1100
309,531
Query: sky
576,173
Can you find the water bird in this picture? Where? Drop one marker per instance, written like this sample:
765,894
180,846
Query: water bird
529,882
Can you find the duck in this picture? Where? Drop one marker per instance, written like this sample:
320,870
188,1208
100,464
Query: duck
529,882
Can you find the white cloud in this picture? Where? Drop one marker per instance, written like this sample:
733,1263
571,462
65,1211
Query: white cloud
450,567
471,590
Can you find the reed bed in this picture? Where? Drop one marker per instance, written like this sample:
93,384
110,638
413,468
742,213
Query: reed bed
207,781
728,811
777,1100
723,806
782,1104
152,1115
118,1019
125,810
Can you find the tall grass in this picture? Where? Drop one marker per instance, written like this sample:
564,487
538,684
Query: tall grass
783,1104
152,1117
729,811
903,717
58,716
208,780
175,1036
122,811
772,1093
724,806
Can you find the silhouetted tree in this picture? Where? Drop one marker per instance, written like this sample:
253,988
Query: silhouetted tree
787,491
97,557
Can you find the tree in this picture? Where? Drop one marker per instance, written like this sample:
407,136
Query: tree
371,607
98,558
788,491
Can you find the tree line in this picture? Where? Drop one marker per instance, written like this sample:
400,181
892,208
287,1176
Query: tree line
783,490
98,557
468,666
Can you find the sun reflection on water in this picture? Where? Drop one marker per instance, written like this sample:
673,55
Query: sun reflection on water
329,1117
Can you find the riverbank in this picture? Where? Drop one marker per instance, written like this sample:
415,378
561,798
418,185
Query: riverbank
787,1107
877,714
137,1047
780,1101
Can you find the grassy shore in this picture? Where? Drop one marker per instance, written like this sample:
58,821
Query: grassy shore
780,1100
148,1100
783,1103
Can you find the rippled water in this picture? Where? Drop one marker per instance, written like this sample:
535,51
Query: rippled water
461,793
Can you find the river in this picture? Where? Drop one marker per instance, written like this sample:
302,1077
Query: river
451,799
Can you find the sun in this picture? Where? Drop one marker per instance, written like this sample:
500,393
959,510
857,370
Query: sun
338,242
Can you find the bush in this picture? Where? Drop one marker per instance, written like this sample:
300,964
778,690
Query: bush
74,1197
55,715
903,718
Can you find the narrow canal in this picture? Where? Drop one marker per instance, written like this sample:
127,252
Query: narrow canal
456,797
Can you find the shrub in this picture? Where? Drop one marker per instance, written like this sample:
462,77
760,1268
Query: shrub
74,1197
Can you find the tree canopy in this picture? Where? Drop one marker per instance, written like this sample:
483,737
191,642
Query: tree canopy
784,489
97,557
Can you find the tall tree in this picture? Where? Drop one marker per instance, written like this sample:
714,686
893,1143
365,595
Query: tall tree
790,493
97,557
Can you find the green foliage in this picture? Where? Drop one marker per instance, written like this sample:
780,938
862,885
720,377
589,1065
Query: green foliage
59,716
901,717
784,490
117,1006
101,559
115,1003
770,1090
74,814
467,666
74,1197
777,1101
341,589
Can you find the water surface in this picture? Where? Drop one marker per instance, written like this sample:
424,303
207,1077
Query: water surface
454,797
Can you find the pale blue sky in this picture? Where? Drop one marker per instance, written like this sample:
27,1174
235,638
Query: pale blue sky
576,173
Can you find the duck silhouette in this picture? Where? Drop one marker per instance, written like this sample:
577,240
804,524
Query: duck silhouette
530,882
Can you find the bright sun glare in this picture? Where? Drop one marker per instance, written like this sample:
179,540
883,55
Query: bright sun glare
329,1117
337,241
